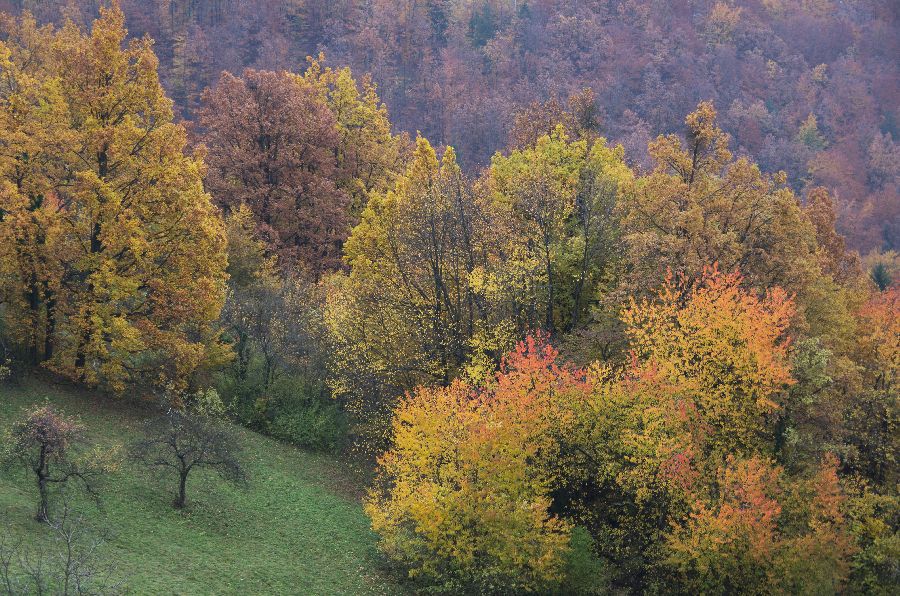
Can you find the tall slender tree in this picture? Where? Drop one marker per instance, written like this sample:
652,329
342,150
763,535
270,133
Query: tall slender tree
273,145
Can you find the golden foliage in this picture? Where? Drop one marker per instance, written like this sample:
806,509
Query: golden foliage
114,252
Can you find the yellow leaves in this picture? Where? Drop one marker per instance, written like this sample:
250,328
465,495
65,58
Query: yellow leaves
124,253
723,342
485,342
699,206
703,131
466,484
104,459
706,150
709,366
609,162
369,154
248,262
820,74
405,312
721,22
539,182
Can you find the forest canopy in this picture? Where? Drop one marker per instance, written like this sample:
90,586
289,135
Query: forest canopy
806,87
602,296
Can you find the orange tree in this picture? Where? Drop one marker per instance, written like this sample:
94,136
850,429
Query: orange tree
666,460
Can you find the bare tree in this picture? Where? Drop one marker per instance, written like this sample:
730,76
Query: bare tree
43,443
69,562
184,440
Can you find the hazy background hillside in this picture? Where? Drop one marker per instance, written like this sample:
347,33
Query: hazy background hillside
805,86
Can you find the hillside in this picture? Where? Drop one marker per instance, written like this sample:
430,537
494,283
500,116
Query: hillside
606,295
296,528
457,70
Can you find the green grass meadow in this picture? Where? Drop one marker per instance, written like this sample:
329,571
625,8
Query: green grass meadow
297,527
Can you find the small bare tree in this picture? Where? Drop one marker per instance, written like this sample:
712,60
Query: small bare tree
189,437
45,443
69,562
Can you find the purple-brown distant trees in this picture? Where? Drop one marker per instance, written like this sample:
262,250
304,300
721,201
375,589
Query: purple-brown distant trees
273,145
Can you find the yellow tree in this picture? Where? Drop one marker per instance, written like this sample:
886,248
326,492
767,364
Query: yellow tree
143,270
463,495
701,206
725,344
533,192
553,204
406,313
684,440
34,137
369,156
872,414
148,281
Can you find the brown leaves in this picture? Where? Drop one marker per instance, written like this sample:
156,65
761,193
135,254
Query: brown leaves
273,145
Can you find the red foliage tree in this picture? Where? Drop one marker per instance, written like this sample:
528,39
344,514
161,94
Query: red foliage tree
273,146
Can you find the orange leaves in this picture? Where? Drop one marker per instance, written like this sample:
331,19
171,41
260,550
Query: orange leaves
737,536
726,542
749,500
828,495
669,458
879,337
721,342
725,351
466,485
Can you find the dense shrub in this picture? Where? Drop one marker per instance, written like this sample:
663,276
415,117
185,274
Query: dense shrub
294,409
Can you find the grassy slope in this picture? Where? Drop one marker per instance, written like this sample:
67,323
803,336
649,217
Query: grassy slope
296,528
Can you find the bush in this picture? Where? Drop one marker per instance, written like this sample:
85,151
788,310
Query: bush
11,368
314,426
301,412
462,499
586,573
240,397
294,409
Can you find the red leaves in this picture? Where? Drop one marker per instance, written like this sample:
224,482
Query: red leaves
47,429
273,145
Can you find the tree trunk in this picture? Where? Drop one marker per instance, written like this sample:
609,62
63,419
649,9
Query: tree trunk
34,305
243,356
269,362
550,297
96,247
181,499
50,329
43,512
81,356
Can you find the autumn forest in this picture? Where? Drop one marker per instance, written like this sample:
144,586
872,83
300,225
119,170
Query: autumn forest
594,297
